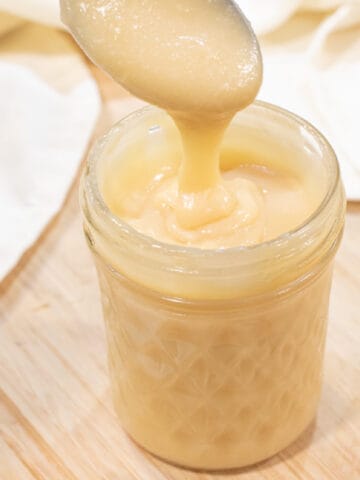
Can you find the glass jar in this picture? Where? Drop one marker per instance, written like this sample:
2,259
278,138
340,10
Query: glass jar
216,356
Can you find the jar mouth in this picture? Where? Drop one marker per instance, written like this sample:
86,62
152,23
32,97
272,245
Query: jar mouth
123,228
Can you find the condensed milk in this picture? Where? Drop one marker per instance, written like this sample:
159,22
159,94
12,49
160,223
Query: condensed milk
213,233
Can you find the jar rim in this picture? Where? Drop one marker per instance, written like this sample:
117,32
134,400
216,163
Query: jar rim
146,241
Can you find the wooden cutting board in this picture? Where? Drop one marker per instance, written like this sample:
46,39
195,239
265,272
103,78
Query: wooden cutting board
56,417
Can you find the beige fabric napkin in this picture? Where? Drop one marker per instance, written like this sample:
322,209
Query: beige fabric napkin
49,105
311,54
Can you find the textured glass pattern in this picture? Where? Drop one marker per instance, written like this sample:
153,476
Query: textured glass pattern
217,388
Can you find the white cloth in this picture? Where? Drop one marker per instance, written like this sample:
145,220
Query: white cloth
40,11
49,105
312,67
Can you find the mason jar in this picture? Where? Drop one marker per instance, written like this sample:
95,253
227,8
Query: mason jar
215,356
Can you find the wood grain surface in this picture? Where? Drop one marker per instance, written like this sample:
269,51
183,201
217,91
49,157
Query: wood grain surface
56,417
